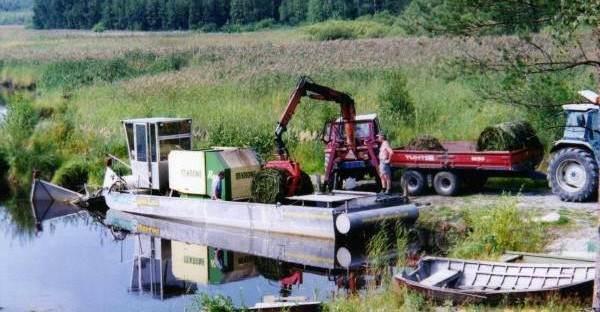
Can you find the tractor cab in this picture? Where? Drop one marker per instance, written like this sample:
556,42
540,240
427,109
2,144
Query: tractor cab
149,142
342,163
581,122
366,128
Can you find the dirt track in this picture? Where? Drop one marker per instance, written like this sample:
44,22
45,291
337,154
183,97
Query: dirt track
533,199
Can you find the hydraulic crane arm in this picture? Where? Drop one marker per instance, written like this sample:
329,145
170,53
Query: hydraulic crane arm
306,87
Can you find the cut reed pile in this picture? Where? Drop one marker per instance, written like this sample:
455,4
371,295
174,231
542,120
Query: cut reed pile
425,143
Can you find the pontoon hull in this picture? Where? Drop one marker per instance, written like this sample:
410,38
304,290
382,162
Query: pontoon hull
286,219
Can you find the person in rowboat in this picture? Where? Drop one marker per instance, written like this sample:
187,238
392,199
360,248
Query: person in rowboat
385,170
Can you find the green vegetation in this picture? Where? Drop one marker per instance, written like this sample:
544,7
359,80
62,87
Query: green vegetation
218,303
73,174
68,75
494,230
334,30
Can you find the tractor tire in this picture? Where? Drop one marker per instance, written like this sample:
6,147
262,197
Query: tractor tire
306,185
447,183
573,175
416,182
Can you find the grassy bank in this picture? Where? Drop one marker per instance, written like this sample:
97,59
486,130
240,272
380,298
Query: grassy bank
461,233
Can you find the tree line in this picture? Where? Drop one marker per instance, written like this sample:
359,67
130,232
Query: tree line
15,5
198,14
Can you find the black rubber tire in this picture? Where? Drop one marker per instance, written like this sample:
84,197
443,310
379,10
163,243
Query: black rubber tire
446,183
589,189
306,186
416,182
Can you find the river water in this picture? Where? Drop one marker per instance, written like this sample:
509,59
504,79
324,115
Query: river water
77,263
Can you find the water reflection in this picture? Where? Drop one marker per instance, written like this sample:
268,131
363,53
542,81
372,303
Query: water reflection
167,261
173,258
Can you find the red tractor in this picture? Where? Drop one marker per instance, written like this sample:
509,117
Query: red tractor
351,144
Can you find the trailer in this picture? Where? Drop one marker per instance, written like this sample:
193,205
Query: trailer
460,167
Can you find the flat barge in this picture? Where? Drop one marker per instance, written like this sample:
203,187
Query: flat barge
212,187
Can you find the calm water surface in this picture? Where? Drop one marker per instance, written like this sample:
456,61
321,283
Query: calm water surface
76,263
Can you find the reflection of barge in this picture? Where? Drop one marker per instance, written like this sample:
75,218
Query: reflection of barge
173,258
170,181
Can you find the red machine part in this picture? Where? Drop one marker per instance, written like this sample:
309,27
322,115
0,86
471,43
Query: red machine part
293,170
306,87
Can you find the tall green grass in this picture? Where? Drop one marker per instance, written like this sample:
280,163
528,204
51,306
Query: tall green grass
234,112
72,74
492,231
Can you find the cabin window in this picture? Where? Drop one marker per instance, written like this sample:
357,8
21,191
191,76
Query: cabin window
363,130
130,141
166,146
140,142
174,128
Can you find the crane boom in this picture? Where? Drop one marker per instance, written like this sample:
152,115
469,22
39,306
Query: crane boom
306,87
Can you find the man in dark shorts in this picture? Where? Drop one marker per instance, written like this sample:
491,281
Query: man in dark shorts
385,170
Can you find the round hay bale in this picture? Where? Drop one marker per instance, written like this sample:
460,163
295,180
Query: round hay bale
269,186
512,136
509,136
425,143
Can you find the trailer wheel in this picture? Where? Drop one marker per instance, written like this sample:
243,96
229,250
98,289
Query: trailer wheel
416,184
573,174
446,183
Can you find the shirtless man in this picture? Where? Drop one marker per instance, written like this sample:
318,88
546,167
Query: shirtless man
385,171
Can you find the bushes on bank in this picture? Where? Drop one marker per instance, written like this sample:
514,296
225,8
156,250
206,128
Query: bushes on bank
498,229
73,174
339,30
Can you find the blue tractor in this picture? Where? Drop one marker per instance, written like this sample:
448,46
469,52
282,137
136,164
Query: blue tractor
573,168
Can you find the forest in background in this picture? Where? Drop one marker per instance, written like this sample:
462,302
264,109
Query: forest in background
15,12
206,15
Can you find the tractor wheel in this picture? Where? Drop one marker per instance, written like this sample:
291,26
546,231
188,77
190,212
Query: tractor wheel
573,175
416,182
446,183
306,186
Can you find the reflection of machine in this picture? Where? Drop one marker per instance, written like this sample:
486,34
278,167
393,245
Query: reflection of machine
166,268
207,265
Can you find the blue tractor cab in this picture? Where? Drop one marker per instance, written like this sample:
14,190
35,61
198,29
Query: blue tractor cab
573,168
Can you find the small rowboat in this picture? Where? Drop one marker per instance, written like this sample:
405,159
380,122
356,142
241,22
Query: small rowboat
471,281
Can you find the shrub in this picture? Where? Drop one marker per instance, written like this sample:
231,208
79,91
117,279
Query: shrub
218,303
73,174
495,230
99,27
395,106
339,30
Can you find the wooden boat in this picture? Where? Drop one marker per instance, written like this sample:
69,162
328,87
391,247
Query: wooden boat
471,281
